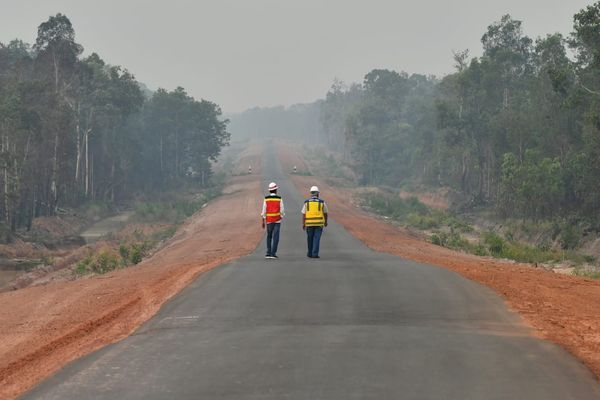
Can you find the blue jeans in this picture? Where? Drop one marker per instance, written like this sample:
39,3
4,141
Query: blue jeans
272,238
313,234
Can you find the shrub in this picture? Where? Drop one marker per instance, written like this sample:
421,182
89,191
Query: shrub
494,243
451,240
99,263
570,236
137,253
134,253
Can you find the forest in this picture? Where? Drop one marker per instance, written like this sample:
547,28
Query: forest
516,130
76,129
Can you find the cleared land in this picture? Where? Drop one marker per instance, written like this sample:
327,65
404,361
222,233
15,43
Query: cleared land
44,327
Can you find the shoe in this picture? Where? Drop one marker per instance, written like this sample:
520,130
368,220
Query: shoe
316,257
267,256
274,256
309,256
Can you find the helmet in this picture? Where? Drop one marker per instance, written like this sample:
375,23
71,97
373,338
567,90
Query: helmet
273,186
314,189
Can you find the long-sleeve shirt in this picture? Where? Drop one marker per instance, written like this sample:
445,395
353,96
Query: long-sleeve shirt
264,209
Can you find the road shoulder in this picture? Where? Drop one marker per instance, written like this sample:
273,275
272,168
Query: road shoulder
45,327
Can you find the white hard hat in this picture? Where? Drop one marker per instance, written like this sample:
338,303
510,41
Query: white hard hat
314,189
273,186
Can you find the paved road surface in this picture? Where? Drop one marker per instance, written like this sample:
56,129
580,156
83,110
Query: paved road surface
353,325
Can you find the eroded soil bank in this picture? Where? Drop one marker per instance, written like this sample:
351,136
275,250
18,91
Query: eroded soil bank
44,327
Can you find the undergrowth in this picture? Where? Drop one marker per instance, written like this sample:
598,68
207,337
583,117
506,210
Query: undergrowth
412,212
174,211
448,232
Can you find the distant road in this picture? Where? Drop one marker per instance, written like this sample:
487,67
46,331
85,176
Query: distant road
353,325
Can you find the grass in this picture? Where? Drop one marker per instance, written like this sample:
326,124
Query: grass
492,244
412,212
448,230
174,211
171,211
586,273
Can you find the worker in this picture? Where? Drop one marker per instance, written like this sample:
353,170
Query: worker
272,214
314,218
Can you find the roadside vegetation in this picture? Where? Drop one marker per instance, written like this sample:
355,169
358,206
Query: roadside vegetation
176,208
76,131
443,228
83,140
158,221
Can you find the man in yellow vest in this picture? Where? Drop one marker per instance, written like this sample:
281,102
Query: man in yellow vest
314,218
272,213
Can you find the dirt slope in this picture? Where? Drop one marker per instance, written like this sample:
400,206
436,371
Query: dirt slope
563,309
44,327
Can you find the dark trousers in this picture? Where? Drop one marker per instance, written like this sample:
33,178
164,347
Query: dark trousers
313,235
272,238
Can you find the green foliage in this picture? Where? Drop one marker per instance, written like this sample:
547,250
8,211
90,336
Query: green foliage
494,243
99,263
587,273
517,129
79,130
496,246
570,236
134,253
412,212
451,240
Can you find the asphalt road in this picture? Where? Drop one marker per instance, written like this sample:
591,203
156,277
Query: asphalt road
354,324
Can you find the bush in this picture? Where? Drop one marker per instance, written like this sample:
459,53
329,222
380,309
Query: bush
451,240
422,221
134,253
99,263
494,243
570,236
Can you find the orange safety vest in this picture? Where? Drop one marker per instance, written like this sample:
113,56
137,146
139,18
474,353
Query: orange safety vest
273,211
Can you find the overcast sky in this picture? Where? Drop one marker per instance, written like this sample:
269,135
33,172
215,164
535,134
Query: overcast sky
245,53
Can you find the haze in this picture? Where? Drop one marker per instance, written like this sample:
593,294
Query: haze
241,54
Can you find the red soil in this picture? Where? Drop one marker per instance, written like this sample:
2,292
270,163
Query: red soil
44,327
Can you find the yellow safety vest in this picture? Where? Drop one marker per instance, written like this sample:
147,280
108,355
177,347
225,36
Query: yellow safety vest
315,216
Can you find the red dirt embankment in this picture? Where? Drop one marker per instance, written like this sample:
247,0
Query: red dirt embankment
562,309
44,327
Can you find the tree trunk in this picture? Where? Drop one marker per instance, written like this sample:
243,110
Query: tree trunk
87,163
78,134
54,182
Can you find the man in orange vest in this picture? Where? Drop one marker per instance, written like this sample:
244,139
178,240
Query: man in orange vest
272,213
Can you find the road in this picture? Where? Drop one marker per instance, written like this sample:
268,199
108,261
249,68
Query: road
354,324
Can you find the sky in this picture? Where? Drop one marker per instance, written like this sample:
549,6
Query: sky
246,53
